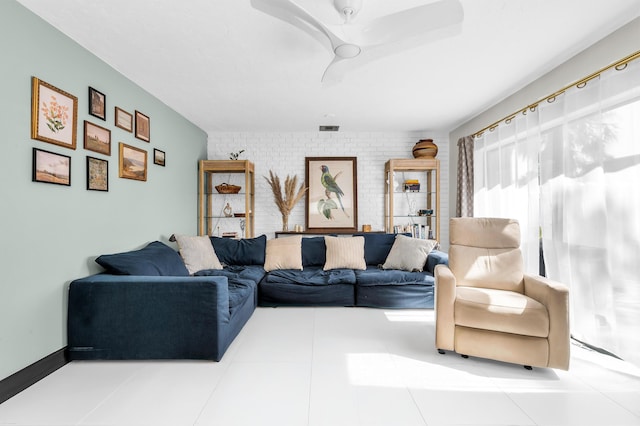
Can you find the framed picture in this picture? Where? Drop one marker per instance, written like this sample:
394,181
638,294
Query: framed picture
133,162
54,114
97,104
124,120
97,138
332,200
143,127
158,157
97,174
50,167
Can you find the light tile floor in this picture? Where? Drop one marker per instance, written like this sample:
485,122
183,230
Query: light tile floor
332,367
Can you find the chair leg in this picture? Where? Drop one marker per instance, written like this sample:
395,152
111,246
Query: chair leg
528,367
441,352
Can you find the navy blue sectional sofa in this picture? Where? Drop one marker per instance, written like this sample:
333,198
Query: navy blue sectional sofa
373,287
147,306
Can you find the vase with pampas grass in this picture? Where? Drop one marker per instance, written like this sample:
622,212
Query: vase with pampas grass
285,201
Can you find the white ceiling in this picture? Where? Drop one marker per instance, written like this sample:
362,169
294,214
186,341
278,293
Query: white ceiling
228,67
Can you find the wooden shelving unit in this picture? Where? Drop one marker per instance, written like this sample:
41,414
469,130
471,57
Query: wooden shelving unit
211,204
402,207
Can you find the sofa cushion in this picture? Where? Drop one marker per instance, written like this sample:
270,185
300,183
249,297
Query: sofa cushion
284,253
254,273
344,252
156,259
374,276
314,251
409,254
312,275
197,253
246,251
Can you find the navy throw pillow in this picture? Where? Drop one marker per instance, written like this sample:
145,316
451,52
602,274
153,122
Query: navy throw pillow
377,247
246,251
156,259
314,251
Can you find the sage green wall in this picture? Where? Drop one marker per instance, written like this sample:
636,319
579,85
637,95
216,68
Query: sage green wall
610,49
51,234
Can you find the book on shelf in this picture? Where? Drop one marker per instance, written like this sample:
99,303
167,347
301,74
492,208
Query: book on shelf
229,235
416,230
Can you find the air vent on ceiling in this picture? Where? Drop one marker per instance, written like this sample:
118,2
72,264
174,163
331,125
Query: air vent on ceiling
329,128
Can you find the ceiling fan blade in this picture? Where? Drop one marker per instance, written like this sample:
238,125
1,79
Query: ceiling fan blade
412,22
331,73
288,11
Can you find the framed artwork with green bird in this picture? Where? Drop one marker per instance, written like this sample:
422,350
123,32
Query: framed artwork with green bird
332,198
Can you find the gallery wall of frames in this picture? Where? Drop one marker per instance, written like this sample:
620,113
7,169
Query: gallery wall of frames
54,120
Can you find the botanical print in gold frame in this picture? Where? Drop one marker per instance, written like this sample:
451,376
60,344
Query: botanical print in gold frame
54,114
124,120
133,162
143,127
97,174
97,138
332,198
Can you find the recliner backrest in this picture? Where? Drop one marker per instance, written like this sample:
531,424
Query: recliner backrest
485,252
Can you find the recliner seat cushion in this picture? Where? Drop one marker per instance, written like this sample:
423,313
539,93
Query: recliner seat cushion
499,310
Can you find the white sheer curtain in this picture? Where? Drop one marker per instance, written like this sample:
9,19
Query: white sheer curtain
506,180
571,167
590,171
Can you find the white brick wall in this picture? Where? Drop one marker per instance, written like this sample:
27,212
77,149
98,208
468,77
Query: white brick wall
285,153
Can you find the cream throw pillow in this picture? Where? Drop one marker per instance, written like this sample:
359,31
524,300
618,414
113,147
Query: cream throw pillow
284,253
344,252
409,254
197,253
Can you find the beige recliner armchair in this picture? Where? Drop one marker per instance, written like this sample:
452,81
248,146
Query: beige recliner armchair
487,307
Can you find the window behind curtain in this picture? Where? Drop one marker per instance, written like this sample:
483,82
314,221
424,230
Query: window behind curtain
569,170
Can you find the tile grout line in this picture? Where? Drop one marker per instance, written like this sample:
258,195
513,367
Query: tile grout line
110,395
313,341
220,380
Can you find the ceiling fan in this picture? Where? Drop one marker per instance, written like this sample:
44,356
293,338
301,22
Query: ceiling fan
351,40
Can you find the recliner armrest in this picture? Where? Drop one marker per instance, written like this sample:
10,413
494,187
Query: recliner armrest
445,296
555,296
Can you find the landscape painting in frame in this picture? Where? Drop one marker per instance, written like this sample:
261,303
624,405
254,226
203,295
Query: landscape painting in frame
124,120
143,127
49,167
158,157
97,104
133,162
96,138
97,174
53,114
332,198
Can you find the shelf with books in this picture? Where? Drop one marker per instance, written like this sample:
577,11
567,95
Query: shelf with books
216,206
412,197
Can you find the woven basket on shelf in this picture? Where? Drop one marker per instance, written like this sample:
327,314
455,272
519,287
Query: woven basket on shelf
225,188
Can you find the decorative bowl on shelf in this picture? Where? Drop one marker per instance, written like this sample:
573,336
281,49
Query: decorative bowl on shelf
425,149
225,188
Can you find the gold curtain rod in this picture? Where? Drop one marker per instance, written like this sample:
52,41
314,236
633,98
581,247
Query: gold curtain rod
619,65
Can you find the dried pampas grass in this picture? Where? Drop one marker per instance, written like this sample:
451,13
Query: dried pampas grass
285,202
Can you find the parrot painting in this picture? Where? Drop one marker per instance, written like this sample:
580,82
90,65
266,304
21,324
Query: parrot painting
330,186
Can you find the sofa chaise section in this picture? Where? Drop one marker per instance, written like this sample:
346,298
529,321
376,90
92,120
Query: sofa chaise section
155,317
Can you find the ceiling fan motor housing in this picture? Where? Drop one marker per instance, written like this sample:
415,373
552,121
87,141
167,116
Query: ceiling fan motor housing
348,8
